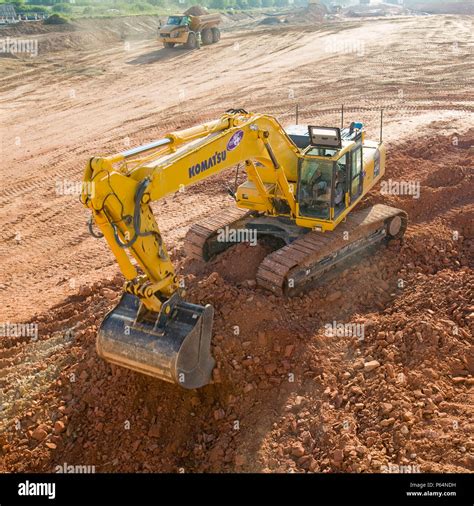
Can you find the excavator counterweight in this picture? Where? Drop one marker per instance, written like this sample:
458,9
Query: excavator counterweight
302,186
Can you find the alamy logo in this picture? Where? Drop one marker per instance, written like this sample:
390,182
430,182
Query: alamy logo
400,469
74,469
390,187
64,187
341,46
8,329
36,489
336,329
19,46
237,235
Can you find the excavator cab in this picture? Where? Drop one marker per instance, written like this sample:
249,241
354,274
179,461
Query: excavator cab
330,172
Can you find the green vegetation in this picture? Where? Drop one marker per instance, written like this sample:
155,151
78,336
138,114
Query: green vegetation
110,8
66,8
56,19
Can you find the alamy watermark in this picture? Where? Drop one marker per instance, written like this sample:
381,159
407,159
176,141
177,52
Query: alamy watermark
336,329
19,46
390,187
344,46
65,187
8,329
248,235
400,468
73,469
34,489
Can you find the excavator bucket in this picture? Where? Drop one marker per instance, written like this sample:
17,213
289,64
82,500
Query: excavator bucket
174,348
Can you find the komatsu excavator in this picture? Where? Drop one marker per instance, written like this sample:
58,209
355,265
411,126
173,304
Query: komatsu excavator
301,189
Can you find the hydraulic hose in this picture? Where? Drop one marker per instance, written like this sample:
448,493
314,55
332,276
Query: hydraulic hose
137,222
136,218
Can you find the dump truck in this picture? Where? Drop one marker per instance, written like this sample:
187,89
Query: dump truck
303,185
190,30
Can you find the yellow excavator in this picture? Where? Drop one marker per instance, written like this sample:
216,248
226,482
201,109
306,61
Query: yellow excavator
301,189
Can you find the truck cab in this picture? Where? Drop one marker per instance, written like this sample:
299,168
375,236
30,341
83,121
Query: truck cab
190,30
174,21
175,31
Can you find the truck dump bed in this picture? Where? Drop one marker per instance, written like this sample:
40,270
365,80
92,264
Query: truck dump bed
205,21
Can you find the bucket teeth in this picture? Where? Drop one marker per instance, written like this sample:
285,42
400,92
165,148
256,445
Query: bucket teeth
174,348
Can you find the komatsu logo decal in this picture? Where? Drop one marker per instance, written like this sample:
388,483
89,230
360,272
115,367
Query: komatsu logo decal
234,141
212,161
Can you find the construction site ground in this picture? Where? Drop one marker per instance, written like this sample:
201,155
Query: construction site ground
288,395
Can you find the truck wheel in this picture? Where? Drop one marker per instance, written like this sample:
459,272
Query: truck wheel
207,36
216,35
192,42
168,44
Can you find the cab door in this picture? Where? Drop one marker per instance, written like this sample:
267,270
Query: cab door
357,174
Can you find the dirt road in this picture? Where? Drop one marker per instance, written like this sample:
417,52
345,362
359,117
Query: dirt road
61,404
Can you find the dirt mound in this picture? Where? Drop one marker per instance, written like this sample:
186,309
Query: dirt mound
196,10
36,28
314,14
272,20
84,34
367,373
317,11
239,263
451,7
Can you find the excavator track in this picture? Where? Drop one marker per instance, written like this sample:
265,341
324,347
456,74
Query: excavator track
201,242
289,270
296,266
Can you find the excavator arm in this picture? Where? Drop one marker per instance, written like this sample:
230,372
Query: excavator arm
153,330
121,188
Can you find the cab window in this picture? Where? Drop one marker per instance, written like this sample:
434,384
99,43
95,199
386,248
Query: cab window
314,195
326,152
356,172
174,20
340,184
